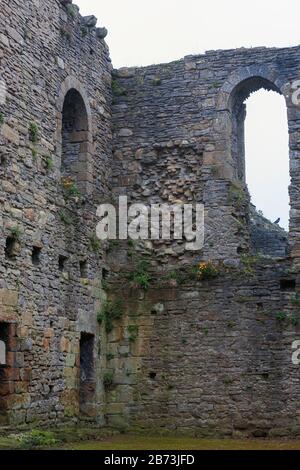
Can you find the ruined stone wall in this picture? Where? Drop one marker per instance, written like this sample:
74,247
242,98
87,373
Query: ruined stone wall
50,263
267,237
197,103
169,350
210,356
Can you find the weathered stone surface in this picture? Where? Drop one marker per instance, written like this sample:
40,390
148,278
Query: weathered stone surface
89,21
101,33
44,54
207,356
209,349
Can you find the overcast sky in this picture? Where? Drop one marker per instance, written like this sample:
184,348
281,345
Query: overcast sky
143,32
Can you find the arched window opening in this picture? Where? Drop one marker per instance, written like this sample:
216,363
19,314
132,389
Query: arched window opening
87,372
260,154
4,336
2,353
267,155
75,139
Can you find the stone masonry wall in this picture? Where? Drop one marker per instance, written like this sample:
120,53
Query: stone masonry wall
210,357
193,103
47,49
127,333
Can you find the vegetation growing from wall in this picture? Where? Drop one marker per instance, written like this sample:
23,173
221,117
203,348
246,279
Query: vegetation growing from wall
111,311
237,195
108,379
207,270
117,89
33,132
141,277
70,187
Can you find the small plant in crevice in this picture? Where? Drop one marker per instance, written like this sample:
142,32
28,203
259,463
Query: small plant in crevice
95,243
110,356
296,300
237,196
281,316
231,324
207,270
65,34
141,277
72,11
34,153
175,276
49,163
111,311
112,245
15,233
33,132
293,320
1,119
70,187
156,81
117,89
192,272
108,379
142,280
133,331
65,218
249,262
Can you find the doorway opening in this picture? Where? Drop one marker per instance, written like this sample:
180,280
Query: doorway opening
87,372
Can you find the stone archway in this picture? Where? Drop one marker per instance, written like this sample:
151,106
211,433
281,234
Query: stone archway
229,123
231,112
74,140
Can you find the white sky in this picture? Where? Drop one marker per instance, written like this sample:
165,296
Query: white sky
142,32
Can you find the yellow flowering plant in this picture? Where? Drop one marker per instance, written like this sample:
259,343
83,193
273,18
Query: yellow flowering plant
207,270
70,186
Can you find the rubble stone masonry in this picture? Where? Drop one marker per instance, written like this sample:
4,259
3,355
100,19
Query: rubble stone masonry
127,333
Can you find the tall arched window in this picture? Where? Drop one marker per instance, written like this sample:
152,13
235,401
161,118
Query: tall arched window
267,155
2,353
75,139
4,335
263,163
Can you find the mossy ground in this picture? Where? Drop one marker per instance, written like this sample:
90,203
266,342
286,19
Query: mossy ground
177,443
109,440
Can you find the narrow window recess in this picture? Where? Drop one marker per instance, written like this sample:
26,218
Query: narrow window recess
36,255
62,263
288,284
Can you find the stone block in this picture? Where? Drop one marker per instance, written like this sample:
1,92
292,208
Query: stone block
8,298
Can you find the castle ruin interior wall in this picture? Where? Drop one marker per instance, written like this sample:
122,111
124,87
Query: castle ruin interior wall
51,266
210,357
